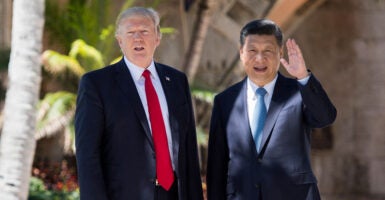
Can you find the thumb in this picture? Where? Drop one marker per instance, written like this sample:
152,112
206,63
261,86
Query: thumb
284,63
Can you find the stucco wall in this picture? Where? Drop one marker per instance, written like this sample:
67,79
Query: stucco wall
344,45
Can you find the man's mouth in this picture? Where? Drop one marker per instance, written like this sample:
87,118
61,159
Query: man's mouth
260,68
138,48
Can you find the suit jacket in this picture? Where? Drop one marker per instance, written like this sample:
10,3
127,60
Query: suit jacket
281,170
114,148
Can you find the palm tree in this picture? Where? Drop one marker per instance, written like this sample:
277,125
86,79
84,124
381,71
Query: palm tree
56,109
17,145
191,62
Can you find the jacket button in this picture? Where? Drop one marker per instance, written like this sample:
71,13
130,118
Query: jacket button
257,186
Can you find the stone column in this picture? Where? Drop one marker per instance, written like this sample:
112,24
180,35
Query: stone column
344,45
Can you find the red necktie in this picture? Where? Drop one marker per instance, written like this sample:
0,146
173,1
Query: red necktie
164,170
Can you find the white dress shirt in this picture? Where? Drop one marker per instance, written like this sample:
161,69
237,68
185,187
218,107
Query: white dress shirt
136,73
252,98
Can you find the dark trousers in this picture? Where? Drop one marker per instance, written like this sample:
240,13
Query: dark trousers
162,194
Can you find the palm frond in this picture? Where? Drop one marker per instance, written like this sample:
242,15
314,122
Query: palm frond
56,63
89,57
55,125
56,111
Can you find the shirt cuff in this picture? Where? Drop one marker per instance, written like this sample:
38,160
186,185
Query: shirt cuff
304,80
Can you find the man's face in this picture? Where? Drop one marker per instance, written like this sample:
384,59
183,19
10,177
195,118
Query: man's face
260,56
138,39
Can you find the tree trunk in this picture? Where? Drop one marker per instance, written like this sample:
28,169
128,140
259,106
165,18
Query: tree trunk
193,55
18,143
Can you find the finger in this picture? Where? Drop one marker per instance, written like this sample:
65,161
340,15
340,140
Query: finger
299,52
290,48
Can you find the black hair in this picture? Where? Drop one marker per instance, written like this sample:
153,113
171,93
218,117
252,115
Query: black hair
261,27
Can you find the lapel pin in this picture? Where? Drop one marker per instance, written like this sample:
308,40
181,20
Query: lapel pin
167,78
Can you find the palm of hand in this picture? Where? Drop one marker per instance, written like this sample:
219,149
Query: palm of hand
296,66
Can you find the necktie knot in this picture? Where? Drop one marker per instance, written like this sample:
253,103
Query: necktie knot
146,74
261,91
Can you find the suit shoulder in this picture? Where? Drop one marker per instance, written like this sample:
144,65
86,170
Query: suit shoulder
169,69
232,90
100,73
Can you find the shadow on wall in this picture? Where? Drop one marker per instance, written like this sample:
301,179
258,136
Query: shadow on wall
4,60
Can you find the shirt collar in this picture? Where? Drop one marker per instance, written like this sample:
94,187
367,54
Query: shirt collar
137,71
251,87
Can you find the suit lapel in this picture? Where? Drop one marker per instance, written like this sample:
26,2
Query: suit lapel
278,100
240,114
167,84
127,85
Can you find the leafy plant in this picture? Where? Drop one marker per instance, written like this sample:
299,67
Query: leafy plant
54,180
38,191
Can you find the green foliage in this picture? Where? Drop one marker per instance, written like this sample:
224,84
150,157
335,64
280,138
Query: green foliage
37,191
61,101
88,57
82,58
55,105
77,19
91,20
167,30
204,95
56,63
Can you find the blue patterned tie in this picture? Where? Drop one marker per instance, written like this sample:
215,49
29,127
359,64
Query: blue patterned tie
260,113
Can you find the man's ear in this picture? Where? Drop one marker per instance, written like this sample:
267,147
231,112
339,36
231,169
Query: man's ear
117,37
281,51
158,40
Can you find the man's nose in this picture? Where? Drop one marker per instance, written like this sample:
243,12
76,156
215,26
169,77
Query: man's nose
259,57
137,36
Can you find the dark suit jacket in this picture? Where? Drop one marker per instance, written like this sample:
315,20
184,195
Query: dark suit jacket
281,171
114,148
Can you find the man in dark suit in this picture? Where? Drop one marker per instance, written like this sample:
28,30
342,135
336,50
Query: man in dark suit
135,131
259,144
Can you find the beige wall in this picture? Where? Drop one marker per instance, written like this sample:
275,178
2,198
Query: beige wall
344,44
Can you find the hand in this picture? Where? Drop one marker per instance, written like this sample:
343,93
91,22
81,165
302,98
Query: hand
296,65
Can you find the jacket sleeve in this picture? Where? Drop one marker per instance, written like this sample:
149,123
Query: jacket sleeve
319,110
217,156
89,125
